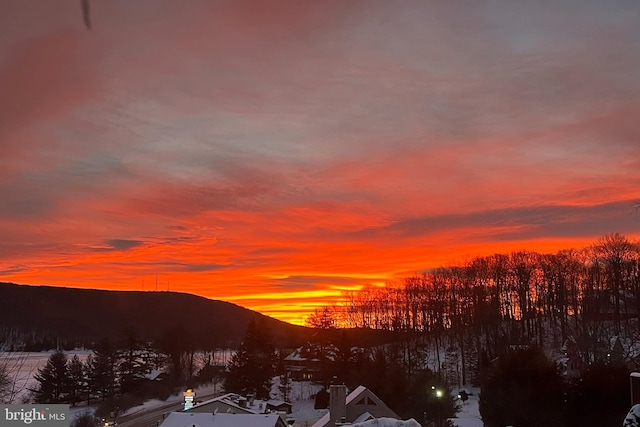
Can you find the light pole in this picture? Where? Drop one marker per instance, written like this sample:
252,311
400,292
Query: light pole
437,393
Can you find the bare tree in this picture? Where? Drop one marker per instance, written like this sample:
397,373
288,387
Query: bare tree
323,318
13,377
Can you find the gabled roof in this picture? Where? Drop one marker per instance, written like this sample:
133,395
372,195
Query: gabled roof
297,355
200,419
230,399
352,401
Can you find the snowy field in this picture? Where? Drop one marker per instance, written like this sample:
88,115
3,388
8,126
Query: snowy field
22,366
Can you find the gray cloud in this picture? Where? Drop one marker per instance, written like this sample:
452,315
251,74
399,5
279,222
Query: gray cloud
123,244
519,223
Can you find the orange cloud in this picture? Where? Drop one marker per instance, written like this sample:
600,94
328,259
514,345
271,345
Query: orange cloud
276,156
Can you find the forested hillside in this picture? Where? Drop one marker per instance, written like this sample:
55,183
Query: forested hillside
41,317
583,296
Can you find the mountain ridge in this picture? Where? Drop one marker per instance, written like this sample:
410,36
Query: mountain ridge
86,315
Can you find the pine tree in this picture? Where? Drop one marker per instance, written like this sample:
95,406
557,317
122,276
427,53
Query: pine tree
102,372
252,366
132,366
77,380
53,380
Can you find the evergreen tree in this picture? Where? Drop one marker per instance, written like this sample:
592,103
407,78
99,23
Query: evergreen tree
524,389
90,387
77,380
253,365
102,371
53,383
132,365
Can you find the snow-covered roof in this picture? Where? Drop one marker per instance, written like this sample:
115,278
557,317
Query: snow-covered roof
387,422
314,352
255,406
363,417
633,417
154,374
297,355
231,399
274,402
357,393
200,419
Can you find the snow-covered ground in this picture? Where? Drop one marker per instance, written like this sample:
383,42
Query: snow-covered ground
304,414
22,366
469,413
204,390
302,397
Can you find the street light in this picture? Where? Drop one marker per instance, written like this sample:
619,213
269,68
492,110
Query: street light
437,393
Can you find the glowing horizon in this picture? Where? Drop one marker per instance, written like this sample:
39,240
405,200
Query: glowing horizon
277,155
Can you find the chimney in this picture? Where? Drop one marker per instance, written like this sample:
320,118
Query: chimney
337,405
635,387
242,402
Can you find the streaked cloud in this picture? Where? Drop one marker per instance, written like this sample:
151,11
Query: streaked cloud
278,154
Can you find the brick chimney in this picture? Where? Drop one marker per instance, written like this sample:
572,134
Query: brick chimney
337,405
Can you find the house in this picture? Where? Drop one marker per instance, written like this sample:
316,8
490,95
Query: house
359,406
616,351
279,406
232,403
572,363
302,366
191,419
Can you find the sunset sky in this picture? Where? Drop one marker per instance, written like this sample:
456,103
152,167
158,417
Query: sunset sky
276,153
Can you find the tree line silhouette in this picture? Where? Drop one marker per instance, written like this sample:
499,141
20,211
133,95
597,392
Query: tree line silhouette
497,301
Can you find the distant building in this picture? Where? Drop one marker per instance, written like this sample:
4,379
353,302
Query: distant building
572,363
301,366
359,406
279,406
